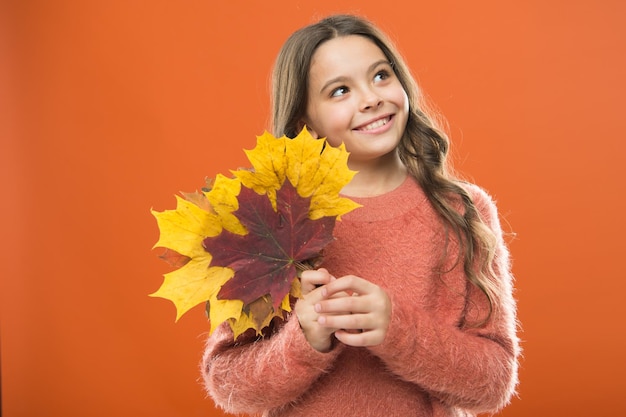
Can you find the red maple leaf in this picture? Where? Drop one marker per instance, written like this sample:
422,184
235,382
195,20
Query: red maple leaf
264,260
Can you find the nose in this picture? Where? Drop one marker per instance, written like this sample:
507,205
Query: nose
370,100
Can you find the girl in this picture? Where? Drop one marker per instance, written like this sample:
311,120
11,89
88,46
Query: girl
413,313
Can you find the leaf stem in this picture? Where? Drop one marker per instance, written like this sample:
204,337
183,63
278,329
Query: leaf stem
302,266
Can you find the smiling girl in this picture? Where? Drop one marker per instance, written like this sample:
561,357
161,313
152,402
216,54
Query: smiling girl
412,313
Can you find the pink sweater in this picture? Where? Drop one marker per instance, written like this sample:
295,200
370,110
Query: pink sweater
429,363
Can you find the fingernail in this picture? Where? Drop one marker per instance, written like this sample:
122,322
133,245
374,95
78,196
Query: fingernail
317,308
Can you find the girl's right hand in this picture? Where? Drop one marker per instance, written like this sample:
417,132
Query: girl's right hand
319,337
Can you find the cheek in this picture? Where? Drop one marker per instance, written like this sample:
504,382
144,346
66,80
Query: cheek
401,98
402,101
338,118
330,122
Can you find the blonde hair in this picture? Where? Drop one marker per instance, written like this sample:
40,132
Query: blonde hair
423,148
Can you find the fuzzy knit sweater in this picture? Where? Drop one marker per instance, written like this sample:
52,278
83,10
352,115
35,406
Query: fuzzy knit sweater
431,363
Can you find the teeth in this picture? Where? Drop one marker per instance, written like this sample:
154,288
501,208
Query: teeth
376,124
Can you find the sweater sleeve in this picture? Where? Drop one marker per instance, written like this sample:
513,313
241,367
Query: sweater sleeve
262,374
470,367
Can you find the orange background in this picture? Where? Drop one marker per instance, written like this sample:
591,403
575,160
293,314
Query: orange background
109,108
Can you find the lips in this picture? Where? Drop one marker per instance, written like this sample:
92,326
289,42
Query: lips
375,124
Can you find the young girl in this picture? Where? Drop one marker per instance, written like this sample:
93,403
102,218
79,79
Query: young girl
412,313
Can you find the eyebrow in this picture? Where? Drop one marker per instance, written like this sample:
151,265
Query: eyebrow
343,78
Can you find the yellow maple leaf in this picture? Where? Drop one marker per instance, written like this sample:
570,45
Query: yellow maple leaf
316,169
223,199
183,230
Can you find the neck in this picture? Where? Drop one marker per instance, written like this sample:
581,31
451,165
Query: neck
374,179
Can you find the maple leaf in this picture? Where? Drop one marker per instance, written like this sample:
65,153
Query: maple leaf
315,168
182,231
265,259
239,242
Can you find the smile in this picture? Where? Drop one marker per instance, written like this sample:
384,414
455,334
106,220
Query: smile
375,125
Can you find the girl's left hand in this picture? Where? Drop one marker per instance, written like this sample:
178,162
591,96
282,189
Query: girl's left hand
368,307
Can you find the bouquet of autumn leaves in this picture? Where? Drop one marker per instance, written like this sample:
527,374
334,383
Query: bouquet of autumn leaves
239,246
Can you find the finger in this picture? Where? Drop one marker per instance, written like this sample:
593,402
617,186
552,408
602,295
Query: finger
365,338
345,303
350,321
313,278
350,284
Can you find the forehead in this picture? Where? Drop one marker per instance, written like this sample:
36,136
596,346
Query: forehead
344,55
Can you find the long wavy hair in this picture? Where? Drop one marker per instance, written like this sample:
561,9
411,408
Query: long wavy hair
423,147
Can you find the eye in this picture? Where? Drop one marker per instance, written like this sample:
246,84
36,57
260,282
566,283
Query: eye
339,91
381,75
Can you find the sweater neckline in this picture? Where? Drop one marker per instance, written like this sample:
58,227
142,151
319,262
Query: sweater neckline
407,196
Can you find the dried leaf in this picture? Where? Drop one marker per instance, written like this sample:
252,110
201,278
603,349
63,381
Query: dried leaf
174,258
265,259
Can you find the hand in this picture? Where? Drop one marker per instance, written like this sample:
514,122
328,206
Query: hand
319,337
357,310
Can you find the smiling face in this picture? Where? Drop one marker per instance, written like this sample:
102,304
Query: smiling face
355,98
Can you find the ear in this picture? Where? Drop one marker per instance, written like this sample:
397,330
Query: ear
302,124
